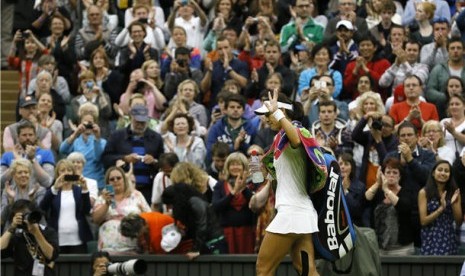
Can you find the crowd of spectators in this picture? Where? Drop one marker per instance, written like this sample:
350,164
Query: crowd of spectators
138,96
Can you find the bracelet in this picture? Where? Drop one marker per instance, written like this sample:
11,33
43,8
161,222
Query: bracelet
278,115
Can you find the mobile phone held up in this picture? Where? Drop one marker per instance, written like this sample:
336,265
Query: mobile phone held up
72,177
110,189
184,2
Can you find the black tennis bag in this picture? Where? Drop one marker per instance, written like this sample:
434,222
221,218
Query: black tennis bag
337,234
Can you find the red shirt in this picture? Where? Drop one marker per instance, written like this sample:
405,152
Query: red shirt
376,70
156,221
400,111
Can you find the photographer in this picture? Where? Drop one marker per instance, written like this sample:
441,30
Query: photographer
100,261
180,70
87,139
67,202
28,243
138,85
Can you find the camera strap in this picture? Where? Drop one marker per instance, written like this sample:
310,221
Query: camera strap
35,251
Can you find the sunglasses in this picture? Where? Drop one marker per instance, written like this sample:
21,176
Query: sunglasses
116,178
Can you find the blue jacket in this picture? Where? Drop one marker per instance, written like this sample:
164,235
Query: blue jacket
219,133
52,204
307,75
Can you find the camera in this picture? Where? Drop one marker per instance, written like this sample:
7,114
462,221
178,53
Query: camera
26,35
89,85
181,62
72,177
143,20
184,2
139,87
377,124
131,267
31,217
89,126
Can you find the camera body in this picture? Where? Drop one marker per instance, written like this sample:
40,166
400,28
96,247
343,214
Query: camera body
89,126
89,85
31,217
131,267
184,2
139,87
377,124
143,20
181,62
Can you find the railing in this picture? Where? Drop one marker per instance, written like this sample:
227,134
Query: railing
238,265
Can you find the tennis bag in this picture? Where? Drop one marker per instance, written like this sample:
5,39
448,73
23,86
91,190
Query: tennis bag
337,234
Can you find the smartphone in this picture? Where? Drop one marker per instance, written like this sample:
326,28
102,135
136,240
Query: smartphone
323,84
72,177
184,2
110,189
143,20
317,84
90,85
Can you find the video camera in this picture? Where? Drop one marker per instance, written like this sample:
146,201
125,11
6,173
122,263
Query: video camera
131,267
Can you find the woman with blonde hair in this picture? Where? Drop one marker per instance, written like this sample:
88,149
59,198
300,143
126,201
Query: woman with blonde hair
189,90
422,31
68,203
370,105
151,70
432,138
19,186
116,201
188,173
230,200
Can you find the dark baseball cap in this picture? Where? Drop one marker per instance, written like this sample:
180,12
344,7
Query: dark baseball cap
27,101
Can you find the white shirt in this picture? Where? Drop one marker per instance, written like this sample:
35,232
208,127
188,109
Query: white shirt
68,230
194,29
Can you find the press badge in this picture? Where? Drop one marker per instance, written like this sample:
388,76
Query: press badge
38,269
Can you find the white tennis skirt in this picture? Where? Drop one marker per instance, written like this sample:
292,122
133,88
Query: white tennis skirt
291,219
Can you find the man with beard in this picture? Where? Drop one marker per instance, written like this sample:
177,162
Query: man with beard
232,129
43,161
139,145
455,66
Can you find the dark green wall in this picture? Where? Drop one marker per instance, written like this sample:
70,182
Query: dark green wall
236,265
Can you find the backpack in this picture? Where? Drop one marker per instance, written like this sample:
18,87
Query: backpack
337,234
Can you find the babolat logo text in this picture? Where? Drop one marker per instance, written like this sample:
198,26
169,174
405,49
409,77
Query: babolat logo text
330,213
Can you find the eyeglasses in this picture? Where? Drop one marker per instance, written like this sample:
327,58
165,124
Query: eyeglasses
116,178
346,4
305,6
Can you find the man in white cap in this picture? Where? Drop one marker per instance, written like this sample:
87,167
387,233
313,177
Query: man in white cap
346,12
344,49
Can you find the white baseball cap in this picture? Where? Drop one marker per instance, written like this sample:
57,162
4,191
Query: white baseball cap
171,237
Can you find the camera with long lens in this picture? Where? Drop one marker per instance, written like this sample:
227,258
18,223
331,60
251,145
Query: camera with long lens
31,218
377,124
131,267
